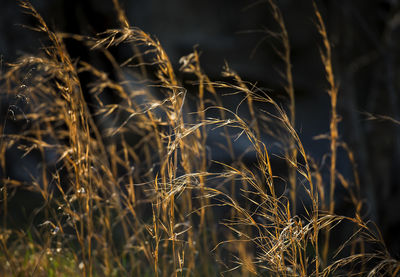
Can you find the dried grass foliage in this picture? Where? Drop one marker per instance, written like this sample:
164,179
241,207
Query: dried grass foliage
126,187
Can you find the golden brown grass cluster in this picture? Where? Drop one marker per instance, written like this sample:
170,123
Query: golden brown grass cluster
127,187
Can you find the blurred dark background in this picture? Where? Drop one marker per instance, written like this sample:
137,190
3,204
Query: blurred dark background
365,40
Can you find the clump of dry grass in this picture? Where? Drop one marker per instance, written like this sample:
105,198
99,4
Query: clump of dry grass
129,184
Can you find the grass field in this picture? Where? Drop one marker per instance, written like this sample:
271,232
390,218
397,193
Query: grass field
126,183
